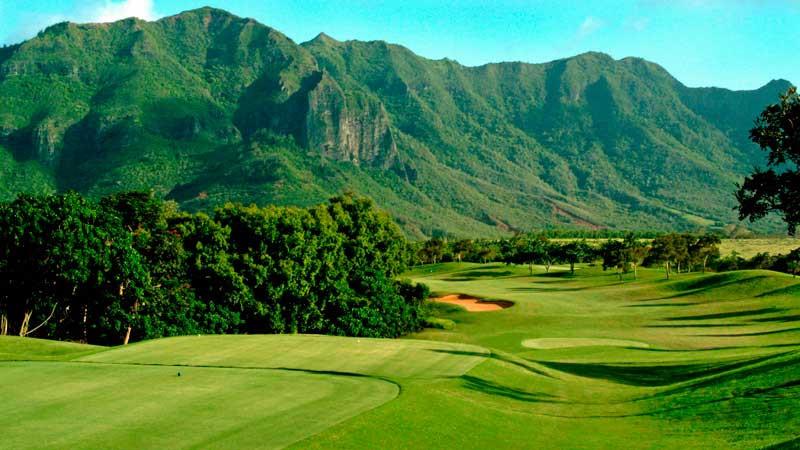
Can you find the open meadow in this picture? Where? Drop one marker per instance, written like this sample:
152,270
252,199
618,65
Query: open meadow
746,248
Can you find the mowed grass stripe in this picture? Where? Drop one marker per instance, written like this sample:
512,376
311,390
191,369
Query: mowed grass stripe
14,348
373,357
81,405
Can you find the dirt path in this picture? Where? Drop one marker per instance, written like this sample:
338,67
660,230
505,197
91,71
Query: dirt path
474,304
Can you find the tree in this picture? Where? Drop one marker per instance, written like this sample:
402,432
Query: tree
703,249
65,258
794,268
131,267
487,253
635,252
432,251
531,249
461,248
776,189
615,255
548,253
680,247
663,251
575,252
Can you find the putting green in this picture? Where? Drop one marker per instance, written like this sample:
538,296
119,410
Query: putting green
81,405
550,343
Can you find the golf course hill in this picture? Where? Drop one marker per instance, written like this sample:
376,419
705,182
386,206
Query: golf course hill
579,360
205,107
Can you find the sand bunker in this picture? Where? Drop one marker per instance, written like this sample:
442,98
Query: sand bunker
474,304
550,343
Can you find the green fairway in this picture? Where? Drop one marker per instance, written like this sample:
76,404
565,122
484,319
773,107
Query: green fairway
583,361
232,392
374,357
69,405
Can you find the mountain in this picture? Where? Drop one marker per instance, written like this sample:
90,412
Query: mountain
205,107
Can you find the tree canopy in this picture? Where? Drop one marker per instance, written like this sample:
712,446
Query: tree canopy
776,189
132,267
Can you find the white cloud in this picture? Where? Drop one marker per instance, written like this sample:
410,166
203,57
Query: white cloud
111,11
96,11
638,24
589,26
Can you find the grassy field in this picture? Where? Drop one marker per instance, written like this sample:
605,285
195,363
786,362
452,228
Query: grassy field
584,361
746,248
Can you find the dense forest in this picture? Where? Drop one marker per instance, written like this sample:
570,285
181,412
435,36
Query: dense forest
132,267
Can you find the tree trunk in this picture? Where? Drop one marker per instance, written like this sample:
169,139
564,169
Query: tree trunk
127,336
635,274
3,325
705,261
26,321
572,267
85,324
530,268
666,269
547,267
135,310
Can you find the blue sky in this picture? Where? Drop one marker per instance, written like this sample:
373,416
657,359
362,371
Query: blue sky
738,44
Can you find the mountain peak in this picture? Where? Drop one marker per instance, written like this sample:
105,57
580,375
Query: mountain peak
780,83
207,14
594,55
324,39
207,10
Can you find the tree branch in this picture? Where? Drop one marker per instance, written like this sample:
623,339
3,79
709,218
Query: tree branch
45,320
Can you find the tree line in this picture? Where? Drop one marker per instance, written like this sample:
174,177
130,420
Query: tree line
131,267
675,252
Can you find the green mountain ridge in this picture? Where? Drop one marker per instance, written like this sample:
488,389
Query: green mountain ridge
205,107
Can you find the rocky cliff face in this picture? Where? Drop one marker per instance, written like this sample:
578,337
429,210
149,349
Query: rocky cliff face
356,133
47,142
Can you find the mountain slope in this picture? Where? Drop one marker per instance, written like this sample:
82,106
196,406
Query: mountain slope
205,107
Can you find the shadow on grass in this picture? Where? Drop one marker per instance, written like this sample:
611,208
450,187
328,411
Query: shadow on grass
640,375
550,289
715,280
557,274
697,325
663,305
785,445
753,312
522,364
792,318
477,275
698,287
492,388
756,333
790,290
750,368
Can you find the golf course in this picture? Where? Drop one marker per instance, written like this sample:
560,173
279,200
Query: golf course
576,361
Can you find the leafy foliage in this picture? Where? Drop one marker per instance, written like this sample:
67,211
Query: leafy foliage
132,266
776,189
